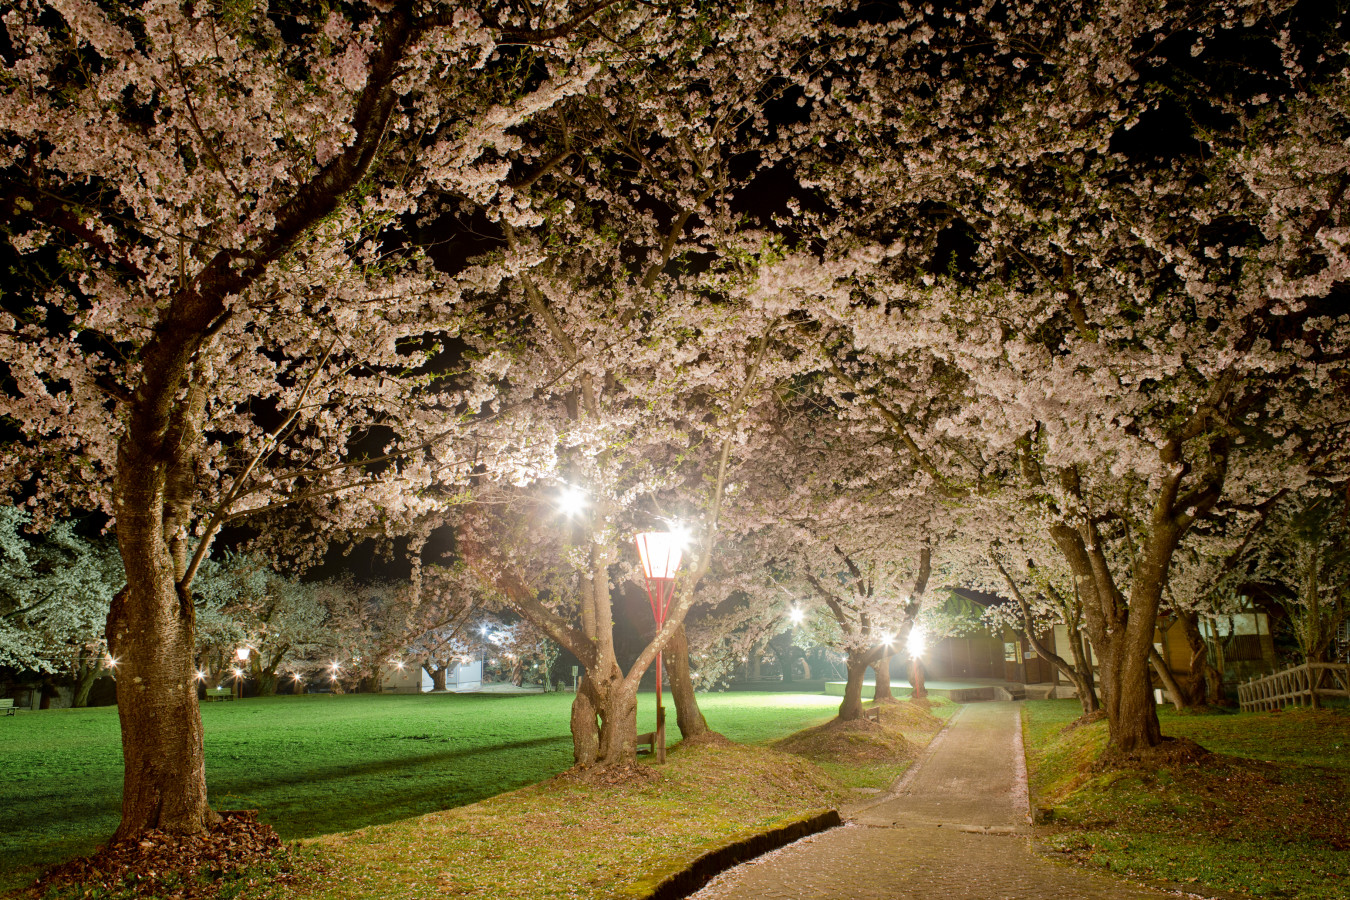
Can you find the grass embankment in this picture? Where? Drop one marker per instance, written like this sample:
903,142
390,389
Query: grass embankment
1265,815
562,839
320,764
862,757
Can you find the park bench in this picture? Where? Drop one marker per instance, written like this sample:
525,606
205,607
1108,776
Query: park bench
219,693
647,740
7,705
873,713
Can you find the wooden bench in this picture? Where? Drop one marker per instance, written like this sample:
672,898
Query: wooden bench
872,713
219,693
7,705
647,740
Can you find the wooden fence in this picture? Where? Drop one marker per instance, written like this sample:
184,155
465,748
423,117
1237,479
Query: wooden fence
1302,685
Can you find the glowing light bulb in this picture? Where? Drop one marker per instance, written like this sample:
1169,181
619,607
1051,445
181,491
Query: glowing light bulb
917,641
796,615
571,500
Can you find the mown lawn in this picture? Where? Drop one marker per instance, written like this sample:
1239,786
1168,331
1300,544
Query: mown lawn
319,764
1266,816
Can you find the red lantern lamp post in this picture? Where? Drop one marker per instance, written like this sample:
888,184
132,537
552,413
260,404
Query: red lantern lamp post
660,552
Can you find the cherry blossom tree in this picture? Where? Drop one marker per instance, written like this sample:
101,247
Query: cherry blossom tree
225,193
1302,557
245,605
642,329
1126,310
55,591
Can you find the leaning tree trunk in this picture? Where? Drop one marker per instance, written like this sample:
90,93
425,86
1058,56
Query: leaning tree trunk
1170,683
852,708
151,634
1084,682
882,669
687,714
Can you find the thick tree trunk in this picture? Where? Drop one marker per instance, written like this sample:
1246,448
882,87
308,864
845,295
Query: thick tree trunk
1122,632
604,720
585,727
265,674
851,708
618,726
266,680
920,689
150,633
687,714
882,670
438,678
1136,726
85,676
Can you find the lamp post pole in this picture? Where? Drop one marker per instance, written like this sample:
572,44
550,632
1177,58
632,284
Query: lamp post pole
660,552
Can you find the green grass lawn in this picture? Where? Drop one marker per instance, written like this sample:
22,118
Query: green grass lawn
1266,817
318,764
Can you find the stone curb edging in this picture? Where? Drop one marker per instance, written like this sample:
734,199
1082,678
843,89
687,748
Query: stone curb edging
702,870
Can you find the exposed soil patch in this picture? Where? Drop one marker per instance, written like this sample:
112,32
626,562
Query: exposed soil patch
1172,752
1086,719
706,739
856,741
175,867
610,775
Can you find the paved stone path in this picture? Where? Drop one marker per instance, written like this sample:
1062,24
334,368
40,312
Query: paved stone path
954,829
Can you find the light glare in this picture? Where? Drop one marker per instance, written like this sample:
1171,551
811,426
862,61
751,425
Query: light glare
917,642
571,500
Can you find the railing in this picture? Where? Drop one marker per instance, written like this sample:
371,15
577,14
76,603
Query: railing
1305,684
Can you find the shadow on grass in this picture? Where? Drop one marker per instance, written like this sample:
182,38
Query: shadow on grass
306,803
337,773
303,803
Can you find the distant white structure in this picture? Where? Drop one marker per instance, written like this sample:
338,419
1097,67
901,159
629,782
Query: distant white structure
412,678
